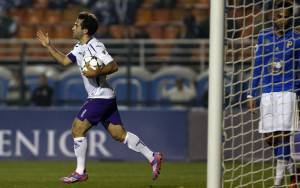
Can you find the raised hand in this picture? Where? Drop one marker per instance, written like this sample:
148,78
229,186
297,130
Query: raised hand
43,38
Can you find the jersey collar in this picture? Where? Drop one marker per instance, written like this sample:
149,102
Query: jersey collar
89,40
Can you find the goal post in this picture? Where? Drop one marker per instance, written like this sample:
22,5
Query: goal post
215,108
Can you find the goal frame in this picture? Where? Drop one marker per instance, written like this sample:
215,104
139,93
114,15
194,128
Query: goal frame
215,101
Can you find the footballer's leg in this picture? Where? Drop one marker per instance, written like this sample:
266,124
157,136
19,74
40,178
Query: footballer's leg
79,129
134,143
273,140
280,141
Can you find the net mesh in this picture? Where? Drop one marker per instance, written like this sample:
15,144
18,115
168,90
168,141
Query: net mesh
247,160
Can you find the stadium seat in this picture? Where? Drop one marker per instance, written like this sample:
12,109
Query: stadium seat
143,16
26,32
184,3
170,74
3,50
202,2
18,15
47,28
5,76
53,16
70,14
35,16
148,3
171,32
62,31
154,31
70,86
117,31
40,4
139,84
201,14
161,16
177,14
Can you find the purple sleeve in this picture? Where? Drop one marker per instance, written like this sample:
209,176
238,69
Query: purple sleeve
72,57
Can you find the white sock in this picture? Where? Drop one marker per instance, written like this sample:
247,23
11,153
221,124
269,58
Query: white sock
280,167
80,147
290,167
133,142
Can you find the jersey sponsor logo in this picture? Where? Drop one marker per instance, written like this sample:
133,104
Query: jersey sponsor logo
289,44
104,52
266,41
275,67
82,53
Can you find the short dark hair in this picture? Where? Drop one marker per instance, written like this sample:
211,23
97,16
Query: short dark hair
89,22
286,4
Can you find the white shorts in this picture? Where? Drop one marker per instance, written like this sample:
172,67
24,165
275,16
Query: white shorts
278,112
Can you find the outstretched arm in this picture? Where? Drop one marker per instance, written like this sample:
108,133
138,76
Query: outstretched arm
55,53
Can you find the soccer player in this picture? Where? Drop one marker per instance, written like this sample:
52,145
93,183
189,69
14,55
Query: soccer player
277,68
101,103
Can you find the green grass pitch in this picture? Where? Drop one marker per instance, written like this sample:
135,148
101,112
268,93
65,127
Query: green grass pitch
46,174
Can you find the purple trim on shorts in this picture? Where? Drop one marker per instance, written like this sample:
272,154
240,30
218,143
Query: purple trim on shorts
100,110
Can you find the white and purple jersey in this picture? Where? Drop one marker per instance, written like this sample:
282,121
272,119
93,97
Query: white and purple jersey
96,87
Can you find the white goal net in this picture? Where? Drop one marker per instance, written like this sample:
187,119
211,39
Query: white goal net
248,160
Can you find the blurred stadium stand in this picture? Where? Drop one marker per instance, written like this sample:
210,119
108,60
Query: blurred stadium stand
70,87
169,74
202,88
152,41
5,76
139,84
32,73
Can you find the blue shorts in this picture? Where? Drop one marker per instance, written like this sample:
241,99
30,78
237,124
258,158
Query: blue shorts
100,110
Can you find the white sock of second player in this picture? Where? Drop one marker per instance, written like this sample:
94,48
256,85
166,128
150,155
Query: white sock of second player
280,168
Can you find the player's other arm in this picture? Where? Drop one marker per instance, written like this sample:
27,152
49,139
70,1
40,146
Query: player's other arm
256,73
55,53
101,70
108,68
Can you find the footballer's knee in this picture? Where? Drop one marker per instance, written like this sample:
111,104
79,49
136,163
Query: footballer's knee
118,137
276,138
281,137
79,128
269,139
117,132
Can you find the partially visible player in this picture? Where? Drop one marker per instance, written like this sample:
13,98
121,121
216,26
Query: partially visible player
276,72
101,103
